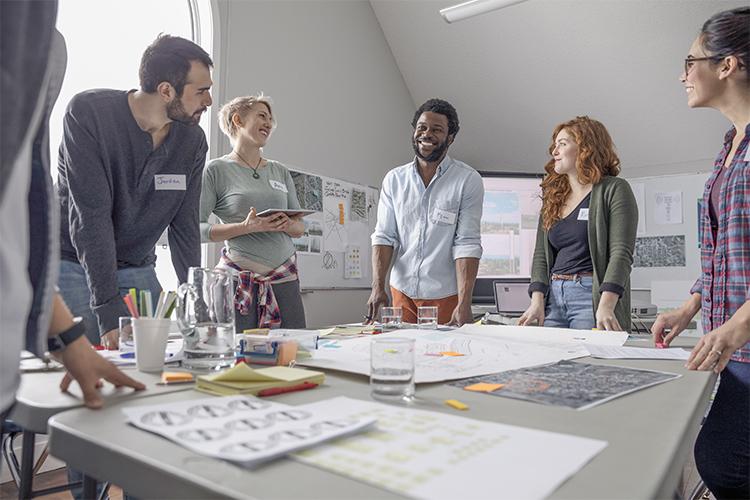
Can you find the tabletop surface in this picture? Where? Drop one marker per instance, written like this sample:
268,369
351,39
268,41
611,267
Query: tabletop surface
650,434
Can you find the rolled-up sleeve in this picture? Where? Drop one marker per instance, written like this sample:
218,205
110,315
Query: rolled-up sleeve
386,229
698,287
467,242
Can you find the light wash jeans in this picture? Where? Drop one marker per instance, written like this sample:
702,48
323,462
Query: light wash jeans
569,304
75,290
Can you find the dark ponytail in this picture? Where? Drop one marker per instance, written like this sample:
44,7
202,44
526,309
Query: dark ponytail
727,33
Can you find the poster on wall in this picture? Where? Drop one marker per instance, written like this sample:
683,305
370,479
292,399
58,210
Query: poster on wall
659,251
668,207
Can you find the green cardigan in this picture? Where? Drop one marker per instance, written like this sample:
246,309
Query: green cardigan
613,220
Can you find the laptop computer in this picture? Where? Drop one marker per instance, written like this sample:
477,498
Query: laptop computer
511,297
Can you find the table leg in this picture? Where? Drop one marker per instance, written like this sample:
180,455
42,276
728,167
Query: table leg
89,487
27,464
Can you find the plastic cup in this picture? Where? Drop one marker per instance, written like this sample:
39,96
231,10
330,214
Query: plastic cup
390,317
427,317
392,369
150,336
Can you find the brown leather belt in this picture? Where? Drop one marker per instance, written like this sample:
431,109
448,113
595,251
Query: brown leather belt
571,277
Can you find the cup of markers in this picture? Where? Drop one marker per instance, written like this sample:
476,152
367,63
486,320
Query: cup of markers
145,334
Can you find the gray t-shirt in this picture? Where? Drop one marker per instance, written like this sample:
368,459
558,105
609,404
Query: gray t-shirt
230,191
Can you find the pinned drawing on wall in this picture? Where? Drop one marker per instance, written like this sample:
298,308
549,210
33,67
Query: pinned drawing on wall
668,207
309,190
352,262
639,191
359,206
336,197
659,251
311,242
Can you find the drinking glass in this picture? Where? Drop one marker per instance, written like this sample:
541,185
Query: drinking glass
392,369
390,317
427,317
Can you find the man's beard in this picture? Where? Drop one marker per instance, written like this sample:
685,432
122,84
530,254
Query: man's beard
176,112
436,153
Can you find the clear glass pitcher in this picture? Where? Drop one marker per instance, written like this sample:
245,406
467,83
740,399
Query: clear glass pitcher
205,315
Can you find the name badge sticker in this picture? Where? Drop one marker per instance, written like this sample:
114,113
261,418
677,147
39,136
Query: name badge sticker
444,216
583,214
170,182
278,186
747,154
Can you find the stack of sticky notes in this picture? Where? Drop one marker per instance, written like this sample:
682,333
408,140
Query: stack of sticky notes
241,379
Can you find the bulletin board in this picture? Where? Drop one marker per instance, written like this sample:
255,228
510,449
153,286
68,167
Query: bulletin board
335,251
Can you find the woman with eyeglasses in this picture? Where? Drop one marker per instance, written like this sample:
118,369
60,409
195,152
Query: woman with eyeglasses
258,250
580,275
716,76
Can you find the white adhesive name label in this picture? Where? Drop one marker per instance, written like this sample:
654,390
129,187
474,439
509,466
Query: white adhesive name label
170,182
583,214
445,216
278,186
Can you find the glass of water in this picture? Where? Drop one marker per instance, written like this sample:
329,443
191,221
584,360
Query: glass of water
390,317
427,317
392,369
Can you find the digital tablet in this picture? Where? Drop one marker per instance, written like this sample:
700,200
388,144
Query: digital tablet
289,211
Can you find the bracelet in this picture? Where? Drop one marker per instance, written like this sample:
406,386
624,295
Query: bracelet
64,339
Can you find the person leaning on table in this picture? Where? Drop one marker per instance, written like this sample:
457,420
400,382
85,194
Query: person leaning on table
717,75
580,275
235,188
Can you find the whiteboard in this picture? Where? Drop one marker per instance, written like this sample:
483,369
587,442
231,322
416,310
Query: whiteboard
335,250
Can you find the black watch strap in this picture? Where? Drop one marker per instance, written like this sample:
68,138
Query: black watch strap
61,341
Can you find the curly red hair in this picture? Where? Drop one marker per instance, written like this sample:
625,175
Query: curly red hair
596,158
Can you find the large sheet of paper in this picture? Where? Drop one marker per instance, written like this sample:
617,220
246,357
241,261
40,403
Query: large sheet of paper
573,385
548,336
477,354
624,352
245,429
424,454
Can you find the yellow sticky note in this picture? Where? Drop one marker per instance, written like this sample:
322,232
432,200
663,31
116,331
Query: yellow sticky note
451,353
483,387
458,405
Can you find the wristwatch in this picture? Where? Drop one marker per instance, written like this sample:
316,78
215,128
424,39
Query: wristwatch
61,341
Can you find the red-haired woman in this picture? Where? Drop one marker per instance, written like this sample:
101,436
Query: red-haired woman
580,276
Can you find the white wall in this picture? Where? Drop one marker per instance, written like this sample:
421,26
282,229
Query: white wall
342,105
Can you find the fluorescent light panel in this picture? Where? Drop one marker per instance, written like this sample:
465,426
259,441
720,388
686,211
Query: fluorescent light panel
474,8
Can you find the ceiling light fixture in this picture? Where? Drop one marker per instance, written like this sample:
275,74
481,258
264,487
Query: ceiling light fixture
474,8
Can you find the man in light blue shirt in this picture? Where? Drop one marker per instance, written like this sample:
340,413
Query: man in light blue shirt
429,216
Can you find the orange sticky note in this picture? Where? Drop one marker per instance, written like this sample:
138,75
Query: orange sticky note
450,353
176,377
341,214
458,405
483,387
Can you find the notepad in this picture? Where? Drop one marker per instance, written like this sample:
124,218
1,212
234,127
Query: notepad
241,379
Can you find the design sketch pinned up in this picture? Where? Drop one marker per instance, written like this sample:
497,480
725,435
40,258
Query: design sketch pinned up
329,261
359,206
309,190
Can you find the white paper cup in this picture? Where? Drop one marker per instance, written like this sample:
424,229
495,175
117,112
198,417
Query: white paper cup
150,336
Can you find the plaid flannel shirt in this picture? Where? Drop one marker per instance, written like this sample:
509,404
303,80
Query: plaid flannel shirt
724,284
269,315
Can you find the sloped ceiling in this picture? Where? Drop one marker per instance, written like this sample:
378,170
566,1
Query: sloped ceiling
513,74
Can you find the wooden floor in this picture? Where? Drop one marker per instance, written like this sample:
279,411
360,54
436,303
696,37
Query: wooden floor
47,480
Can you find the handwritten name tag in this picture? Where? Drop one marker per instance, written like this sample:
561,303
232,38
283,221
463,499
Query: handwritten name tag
278,186
444,216
583,214
170,182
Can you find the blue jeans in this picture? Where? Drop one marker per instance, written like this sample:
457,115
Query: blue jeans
569,304
722,450
75,290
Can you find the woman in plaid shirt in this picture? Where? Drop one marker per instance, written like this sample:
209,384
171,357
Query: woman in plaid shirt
716,75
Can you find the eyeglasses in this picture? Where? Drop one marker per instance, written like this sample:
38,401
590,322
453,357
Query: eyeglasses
690,60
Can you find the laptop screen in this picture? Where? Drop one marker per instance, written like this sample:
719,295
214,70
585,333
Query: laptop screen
511,297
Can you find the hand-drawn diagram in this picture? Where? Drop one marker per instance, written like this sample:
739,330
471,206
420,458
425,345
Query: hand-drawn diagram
358,206
309,190
574,385
659,251
336,198
243,429
477,355
329,261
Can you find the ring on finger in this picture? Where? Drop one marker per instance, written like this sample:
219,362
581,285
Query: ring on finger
715,351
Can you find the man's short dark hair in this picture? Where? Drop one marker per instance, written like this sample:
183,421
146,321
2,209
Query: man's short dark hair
168,59
441,107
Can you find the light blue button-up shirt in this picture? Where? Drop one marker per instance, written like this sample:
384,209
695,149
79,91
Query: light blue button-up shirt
430,227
